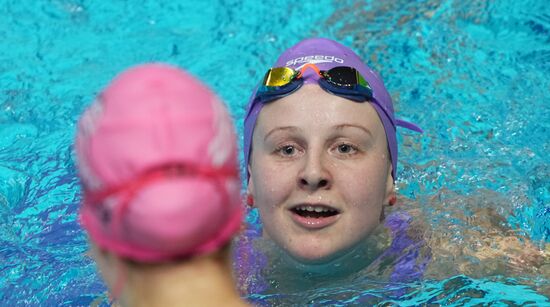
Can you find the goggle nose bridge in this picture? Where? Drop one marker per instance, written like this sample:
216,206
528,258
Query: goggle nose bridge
311,66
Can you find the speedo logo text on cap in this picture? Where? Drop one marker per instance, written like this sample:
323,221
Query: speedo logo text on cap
314,59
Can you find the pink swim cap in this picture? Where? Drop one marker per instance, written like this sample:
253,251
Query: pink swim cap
157,159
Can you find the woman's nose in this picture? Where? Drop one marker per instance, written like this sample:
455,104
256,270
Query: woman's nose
314,174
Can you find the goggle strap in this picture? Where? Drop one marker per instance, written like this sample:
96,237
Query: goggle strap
157,173
408,125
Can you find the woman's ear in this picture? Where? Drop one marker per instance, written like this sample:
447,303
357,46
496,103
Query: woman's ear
249,190
391,197
249,184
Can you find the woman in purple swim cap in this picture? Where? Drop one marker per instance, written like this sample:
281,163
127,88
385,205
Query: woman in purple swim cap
320,149
321,153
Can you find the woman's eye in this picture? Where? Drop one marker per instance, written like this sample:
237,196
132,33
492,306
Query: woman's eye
287,150
346,149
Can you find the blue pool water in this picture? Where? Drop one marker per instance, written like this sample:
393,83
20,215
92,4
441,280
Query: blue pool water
473,74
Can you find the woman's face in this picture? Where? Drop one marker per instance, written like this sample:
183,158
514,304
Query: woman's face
319,173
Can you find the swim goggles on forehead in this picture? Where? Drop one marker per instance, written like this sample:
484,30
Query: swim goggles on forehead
342,81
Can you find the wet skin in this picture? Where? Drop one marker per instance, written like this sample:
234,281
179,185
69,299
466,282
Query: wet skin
319,173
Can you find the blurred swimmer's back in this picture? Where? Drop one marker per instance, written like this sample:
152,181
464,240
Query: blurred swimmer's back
157,160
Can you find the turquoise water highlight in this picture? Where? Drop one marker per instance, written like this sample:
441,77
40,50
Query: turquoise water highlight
473,74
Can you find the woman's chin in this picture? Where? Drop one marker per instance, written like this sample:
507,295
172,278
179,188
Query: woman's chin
317,256
312,258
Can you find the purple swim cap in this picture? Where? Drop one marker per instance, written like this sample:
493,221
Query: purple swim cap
326,54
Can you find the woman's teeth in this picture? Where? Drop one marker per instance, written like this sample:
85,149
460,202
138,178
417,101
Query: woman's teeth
314,211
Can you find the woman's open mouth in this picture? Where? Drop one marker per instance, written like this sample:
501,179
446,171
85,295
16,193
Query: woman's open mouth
314,216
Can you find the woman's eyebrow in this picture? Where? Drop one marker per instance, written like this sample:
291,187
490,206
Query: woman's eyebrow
286,129
343,126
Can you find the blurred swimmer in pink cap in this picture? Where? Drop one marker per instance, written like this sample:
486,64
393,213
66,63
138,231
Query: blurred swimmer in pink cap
157,159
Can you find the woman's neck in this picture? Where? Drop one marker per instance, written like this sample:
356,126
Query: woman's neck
289,274
201,281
